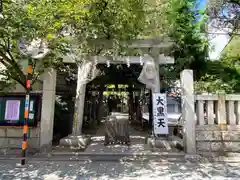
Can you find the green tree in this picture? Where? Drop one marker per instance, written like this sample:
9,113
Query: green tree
63,24
18,22
156,19
190,50
223,75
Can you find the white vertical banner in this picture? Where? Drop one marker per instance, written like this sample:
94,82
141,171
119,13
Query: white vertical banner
160,121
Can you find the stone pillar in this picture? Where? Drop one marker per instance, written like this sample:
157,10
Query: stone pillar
188,112
76,140
79,105
48,106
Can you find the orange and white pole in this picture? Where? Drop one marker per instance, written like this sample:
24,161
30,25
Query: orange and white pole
26,113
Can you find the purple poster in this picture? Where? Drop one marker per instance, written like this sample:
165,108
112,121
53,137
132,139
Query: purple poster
12,110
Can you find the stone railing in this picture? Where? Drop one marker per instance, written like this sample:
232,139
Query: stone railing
218,123
211,122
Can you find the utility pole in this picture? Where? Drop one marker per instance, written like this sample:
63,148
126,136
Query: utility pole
24,49
26,111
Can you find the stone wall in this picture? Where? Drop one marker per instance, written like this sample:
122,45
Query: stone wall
11,138
217,138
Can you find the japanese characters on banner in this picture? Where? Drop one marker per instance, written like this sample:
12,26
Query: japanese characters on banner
160,121
12,111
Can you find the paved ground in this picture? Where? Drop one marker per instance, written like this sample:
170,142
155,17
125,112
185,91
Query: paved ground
149,169
137,143
138,170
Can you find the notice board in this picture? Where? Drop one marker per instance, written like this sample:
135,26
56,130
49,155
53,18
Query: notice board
12,110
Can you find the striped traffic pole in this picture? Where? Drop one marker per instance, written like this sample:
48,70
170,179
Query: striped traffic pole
26,113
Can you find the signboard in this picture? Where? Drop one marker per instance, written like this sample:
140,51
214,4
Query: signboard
31,106
12,110
160,121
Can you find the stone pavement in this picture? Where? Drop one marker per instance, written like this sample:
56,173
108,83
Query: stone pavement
138,143
115,170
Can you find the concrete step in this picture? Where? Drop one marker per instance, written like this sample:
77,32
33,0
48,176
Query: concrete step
220,156
97,158
15,152
139,148
156,156
133,139
124,156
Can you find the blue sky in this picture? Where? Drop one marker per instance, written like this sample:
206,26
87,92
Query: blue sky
201,4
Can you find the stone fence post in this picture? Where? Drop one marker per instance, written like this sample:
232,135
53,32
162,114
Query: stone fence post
188,112
48,107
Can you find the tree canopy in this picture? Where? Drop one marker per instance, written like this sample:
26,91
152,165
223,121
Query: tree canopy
190,50
76,25
223,75
59,23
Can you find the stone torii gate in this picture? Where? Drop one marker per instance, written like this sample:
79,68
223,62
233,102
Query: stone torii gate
153,50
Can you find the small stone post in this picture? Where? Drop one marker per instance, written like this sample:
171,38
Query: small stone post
188,112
